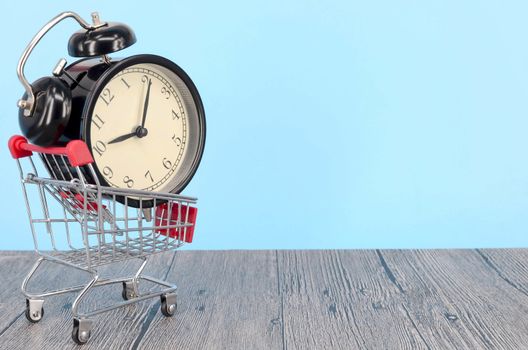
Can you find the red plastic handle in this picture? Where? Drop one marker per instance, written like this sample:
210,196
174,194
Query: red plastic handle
77,151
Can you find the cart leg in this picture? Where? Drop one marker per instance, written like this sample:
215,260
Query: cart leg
82,326
82,294
34,310
29,275
82,330
130,288
168,304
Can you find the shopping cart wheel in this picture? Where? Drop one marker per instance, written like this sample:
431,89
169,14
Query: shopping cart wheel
34,310
128,290
82,330
168,304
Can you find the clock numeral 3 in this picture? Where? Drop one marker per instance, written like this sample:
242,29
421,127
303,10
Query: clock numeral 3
148,175
107,171
176,140
107,96
167,163
165,91
97,121
129,182
100,147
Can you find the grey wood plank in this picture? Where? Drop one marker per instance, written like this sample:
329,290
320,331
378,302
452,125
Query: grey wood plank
13,269
342,300
115,329
511,265
432,299
457,301
226,300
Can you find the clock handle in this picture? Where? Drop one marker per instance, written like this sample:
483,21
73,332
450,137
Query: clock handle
77,151
28,104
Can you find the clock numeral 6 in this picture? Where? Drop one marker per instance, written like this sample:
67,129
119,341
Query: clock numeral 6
107,171
144,78
107,96
165,91
167,163
100,147
129,182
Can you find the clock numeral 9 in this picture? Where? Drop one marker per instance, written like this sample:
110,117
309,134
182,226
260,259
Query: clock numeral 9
176,140
107,96
167,163
100,147
107,171
165,91
129,182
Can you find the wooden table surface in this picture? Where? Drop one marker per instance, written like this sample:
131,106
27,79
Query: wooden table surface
334,299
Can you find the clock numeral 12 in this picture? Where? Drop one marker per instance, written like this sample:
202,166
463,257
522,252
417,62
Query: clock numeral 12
107,96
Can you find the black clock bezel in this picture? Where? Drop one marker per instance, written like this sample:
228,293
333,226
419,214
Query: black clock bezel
101,83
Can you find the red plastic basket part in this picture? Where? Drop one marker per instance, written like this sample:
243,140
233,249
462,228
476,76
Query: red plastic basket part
164,218
78,201
77,151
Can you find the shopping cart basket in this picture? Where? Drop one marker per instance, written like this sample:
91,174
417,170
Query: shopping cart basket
86,225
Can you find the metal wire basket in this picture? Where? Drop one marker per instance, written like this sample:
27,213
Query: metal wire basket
84,225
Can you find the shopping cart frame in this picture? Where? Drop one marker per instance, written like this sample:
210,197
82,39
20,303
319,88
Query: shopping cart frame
95,209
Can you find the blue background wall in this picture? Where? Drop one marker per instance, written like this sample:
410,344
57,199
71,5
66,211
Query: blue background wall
331,124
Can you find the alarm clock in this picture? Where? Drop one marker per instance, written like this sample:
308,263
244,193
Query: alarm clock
141,116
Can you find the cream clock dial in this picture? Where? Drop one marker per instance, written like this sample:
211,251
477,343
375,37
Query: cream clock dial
145,130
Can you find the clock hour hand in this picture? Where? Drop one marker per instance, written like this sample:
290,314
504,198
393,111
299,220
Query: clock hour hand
123,137
139,132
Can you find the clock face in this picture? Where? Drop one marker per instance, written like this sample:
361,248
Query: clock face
144,130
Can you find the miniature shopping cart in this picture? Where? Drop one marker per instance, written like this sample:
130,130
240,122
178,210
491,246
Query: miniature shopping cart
86,225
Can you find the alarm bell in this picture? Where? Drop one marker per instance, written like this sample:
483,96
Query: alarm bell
105,38
46,105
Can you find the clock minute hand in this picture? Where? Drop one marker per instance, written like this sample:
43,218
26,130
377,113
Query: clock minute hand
145,105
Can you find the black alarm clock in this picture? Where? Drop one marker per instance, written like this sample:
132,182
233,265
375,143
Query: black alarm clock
141,116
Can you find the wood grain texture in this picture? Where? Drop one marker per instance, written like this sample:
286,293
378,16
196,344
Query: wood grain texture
226,300
458,301
511,265
13,267
368,299
342,300
116,329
